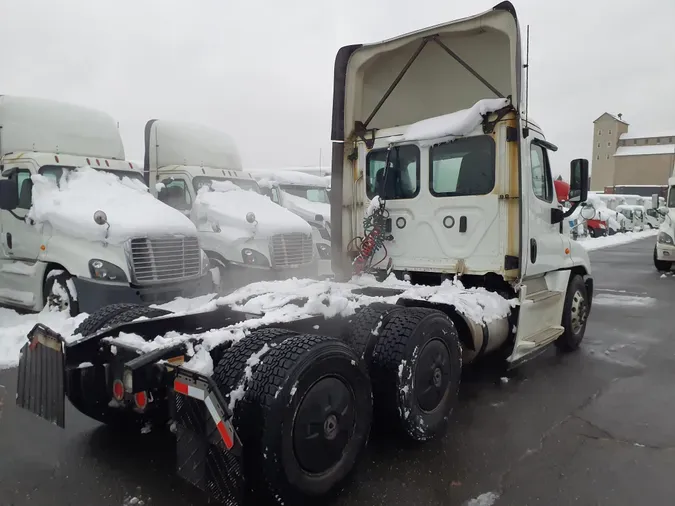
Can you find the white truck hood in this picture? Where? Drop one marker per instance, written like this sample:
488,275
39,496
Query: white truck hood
304,208
228,206
131,211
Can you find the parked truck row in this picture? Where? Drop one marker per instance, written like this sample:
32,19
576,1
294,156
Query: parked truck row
447,243
194,233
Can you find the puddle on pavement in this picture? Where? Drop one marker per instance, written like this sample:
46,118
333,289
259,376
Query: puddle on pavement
614,299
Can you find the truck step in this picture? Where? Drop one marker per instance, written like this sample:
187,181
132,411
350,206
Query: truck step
544,295
546,336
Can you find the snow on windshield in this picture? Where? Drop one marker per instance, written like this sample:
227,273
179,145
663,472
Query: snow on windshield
69,207
306,208
456,124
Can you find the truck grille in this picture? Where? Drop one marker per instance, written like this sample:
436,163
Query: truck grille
166,259
291,249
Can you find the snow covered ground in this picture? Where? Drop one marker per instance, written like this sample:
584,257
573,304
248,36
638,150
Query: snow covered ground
616,239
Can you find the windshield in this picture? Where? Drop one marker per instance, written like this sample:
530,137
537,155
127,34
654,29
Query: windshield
244,184
55,172
627,213
671,197
311,193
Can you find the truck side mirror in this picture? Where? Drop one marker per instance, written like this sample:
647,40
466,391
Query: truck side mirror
578,180
655,201
9,194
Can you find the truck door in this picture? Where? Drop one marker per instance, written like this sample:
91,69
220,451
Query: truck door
20,244
543,248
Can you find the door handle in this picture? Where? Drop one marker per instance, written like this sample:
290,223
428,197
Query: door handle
533,250
9,240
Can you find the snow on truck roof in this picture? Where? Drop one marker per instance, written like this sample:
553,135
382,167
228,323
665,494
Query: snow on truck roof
49,126
177,143
288,177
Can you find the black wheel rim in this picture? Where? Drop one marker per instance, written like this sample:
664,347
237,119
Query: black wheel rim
432,375
324,425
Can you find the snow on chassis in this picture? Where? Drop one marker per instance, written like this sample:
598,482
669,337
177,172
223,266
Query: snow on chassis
447,244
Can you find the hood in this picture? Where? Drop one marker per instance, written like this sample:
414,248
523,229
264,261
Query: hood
131,211
227,205
304,208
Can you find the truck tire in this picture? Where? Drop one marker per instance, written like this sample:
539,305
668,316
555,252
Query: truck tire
661,265
136,312
305,419
230,372
365,327
575,315
416,368
59,293
98,319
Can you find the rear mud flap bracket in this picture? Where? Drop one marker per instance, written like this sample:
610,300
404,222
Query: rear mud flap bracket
208,449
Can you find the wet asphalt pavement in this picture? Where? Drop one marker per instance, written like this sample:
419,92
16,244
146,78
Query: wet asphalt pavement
596,427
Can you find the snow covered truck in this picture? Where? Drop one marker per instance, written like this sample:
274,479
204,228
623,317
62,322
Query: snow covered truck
664,249
307,196
246,236
78,239
446,244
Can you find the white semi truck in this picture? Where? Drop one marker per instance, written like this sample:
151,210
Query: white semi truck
664,249
441,189
307,196
246,236
65,238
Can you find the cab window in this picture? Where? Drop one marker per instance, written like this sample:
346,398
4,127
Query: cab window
542,181
24,187
462,167
401,180
175,194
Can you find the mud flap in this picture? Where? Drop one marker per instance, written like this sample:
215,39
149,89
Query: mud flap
40,385
208,449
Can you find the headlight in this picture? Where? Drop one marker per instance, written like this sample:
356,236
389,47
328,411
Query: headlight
252,257
206,263
105,271
324,251
665,239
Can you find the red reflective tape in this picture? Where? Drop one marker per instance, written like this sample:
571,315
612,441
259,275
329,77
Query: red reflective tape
227,438
181,388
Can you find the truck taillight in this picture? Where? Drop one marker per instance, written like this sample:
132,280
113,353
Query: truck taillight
141,400
118,390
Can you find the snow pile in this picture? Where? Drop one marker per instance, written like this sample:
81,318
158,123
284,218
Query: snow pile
616,239
227,205
487,499
14,329
456,124
292,299
131,211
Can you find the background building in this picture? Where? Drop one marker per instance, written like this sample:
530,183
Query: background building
621,157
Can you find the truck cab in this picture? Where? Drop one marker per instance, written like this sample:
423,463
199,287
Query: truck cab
66,239
664,249
305,195
246,236
430,185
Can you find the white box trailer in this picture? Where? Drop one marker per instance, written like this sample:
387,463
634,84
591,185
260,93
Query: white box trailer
65,238
247,237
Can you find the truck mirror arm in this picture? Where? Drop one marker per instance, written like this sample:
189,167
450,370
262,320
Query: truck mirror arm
570,210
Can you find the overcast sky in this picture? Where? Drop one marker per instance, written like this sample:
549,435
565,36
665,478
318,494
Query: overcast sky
263,71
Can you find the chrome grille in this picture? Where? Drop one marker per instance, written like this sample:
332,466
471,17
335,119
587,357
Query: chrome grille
291,249
165,259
